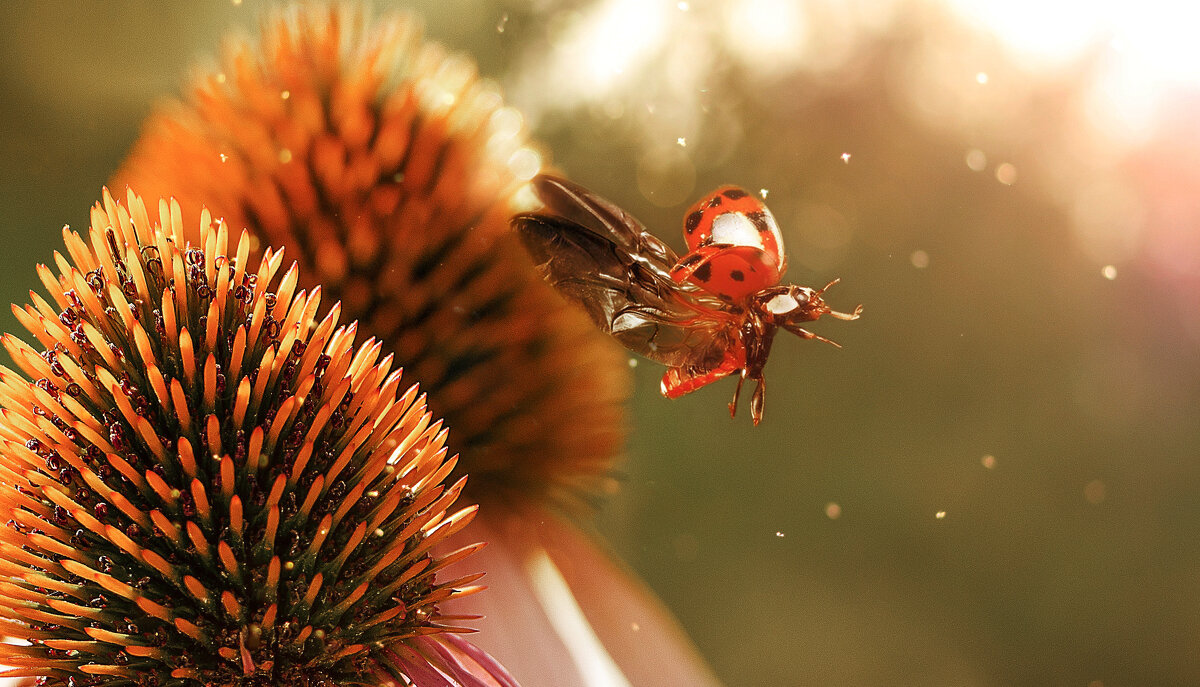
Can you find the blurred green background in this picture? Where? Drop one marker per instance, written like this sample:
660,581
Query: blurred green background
996,481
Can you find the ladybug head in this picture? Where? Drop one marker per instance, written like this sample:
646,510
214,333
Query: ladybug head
791,305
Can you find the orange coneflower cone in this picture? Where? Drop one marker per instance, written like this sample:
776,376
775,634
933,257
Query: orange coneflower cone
203,481
390,171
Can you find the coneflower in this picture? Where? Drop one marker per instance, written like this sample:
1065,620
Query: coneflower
389,169
205,484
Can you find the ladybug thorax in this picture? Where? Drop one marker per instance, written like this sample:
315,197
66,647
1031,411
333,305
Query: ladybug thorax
782,304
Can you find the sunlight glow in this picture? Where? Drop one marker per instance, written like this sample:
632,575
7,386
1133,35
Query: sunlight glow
615,38
765,32
1146,49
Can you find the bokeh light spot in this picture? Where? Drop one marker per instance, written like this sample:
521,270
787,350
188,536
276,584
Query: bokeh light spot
1006,173
976,160
525,163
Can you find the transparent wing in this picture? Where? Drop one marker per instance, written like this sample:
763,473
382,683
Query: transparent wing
600,257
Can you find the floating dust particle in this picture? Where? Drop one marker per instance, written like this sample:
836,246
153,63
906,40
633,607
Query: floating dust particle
681,141
221,77
224,157
1006,173
833,511
940,515
846,158
503,21
988,461
1094,492
633,362
779,534
981,78
976,160
635,627
1109,272
763,192
919,259
285,156
683,7
285,94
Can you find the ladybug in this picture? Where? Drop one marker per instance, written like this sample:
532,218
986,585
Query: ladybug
712,313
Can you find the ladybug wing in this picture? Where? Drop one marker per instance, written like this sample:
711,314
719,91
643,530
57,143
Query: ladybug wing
599,257
578,205
730,272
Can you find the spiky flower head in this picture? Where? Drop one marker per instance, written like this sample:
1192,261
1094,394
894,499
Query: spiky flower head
206,485
390,170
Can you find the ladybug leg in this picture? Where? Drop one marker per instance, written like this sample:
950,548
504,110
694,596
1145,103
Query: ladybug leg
805,334
758,400
736,392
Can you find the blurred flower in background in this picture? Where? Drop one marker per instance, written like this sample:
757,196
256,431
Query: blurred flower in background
390,170
995,481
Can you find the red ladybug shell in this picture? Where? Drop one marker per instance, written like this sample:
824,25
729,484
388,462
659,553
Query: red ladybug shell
736,247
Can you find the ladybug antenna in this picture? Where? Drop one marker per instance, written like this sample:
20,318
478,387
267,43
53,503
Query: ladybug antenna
833,313
825,288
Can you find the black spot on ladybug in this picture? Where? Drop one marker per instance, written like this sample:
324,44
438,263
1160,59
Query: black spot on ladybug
703,272
759,218
690,259
735,193
714,201
737,275
693,221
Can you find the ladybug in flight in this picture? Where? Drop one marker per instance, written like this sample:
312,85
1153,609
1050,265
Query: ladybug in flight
712,313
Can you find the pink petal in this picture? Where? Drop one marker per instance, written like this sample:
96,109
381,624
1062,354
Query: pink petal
416,668
484,659
452,665
560,613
